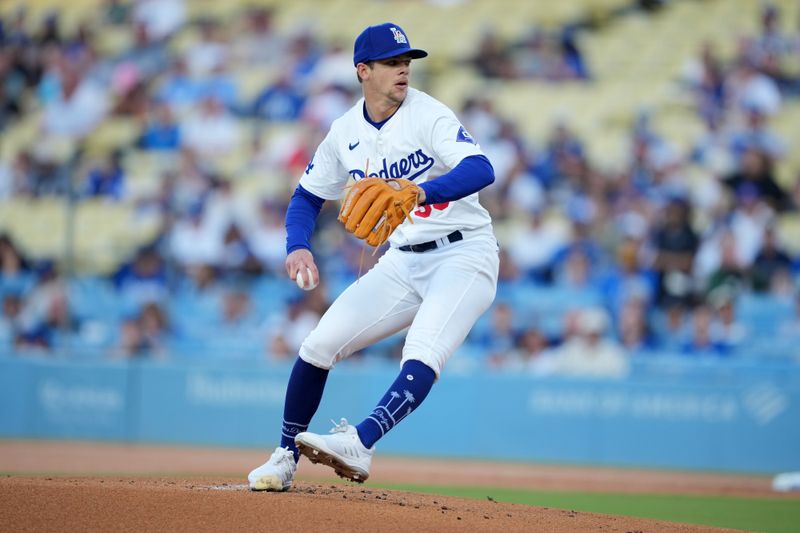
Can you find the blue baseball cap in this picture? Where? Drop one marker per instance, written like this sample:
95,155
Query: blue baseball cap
382,42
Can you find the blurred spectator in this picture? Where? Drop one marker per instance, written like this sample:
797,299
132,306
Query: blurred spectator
499,338
161,131
11,89
670,325
705,77
772,47
287,333
562,156
574,64
155,327
10,319
202,279
748,221
193,242
178,89
137,65
78,109
675,244
575,264
492,58
193,181
589,353
281,101
46,313
221,209
302,54
144,334
729,332
222,85
334,69
209,52
325,104
575,271
531,353
731,270
702,338
755,134
134,102
50,32
236,256
13,264
106,178
259,43
634,331
21,174
548,56
507,153
144,279
754,176
533,248
210,130
770,263
268,236
131,342
748,89
627,280
480,117
80,47
17,31
161,18
237,312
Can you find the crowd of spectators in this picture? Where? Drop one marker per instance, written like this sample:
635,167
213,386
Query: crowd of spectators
630,262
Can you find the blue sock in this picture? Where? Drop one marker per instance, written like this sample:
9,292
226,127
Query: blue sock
303,394
406,394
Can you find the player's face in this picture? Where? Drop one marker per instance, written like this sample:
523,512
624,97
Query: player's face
388,78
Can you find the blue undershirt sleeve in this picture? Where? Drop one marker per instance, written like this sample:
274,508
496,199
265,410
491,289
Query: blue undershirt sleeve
301,217
472,174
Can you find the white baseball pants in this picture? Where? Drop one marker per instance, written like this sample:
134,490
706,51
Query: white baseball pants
438,295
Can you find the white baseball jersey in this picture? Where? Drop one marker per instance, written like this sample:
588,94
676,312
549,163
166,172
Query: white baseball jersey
421,141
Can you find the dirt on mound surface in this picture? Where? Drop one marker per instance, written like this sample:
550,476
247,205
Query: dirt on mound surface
203,504
79,486
96,458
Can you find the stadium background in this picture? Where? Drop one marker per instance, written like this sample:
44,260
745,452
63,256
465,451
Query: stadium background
646,204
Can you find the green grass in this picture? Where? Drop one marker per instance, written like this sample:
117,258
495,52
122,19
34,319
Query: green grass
753,514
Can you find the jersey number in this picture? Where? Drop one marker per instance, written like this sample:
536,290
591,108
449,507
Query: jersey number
424,211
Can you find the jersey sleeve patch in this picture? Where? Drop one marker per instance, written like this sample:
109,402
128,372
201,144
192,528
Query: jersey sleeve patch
464,136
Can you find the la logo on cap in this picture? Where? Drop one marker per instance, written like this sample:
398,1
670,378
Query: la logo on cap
398,36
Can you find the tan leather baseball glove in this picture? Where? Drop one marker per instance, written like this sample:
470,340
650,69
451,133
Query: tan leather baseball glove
374,207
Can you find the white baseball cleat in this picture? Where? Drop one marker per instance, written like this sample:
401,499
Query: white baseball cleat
276,474
342,450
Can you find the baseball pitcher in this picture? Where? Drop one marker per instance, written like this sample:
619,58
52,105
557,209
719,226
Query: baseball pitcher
417,174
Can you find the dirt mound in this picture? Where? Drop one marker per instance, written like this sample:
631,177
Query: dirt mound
205,504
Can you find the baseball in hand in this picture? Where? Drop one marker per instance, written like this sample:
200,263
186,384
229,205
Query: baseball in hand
305,282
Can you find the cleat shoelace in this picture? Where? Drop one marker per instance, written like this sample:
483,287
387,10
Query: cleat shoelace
341,427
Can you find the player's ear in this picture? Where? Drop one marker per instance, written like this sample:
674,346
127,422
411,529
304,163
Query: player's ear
362,70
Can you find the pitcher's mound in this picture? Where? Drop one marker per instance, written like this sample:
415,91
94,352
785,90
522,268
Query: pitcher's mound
206,504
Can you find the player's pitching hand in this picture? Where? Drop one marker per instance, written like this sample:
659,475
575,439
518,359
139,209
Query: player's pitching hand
301,268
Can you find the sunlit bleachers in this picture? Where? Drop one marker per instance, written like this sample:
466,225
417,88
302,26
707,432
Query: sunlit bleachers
635,59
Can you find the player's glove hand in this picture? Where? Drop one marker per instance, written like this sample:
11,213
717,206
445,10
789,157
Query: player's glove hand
374,207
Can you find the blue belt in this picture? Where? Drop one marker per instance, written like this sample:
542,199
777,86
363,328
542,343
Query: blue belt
431,245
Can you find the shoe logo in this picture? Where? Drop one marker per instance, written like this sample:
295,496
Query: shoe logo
409,377
353,146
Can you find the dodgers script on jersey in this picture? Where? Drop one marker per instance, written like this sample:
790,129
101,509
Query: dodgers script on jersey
421,141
